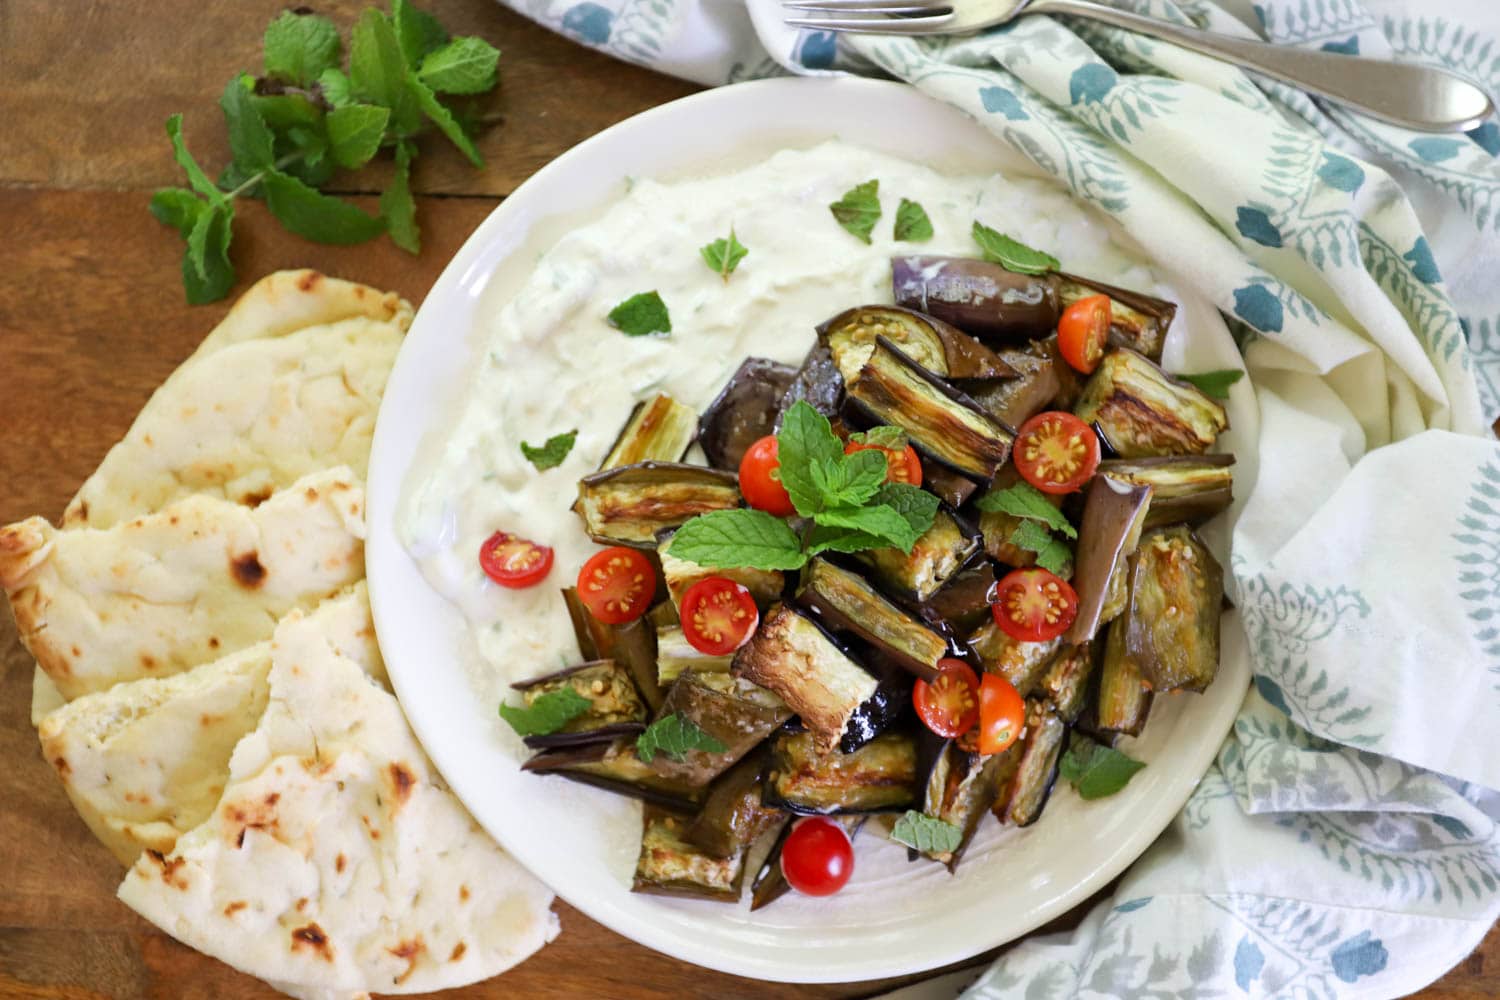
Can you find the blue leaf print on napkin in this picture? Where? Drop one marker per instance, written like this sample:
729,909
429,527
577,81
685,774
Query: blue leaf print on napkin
1488,136
1349,47
999,101
1361,955
817,50
1341,172
1254,224
1248,961
590,22
1422,264
1090,82
1257,306
1435,150
1133,904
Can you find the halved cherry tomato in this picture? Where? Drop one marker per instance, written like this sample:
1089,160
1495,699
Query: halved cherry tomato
760,479
949,704
817,858
1002,714
1034,605
718,615
617,585
514,562
1082,331
901,464
1056,452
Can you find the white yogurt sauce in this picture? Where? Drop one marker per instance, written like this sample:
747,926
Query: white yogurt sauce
551,362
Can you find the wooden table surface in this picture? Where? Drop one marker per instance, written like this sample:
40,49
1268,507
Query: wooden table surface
92,319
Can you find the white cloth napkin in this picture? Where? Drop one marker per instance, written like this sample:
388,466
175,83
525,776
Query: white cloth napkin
1345,844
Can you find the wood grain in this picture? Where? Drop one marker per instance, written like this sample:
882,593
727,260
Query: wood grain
92,319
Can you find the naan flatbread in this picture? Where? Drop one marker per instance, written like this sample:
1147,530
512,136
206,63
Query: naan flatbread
147,760
335,859
168,591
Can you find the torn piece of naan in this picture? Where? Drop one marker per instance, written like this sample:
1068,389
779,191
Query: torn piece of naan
147,760
286,301
165,592
335,859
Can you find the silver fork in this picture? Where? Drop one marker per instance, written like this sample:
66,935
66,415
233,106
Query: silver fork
1412,96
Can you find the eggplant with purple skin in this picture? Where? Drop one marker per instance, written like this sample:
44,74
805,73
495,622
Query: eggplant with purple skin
631,504
658,430
844,603
1185,488
744,411
1036,772
940,554
1136,321
1124,700
940,421
632,645
615,707
733,816
770,883
1044,381
950,487
1066,683
1021,663
804,778
976,296
817,383
1113,513
1176,595
1140,410
615,767
963,603
669,865
944,350
735,712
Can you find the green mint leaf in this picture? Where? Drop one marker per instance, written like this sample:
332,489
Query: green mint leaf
805,438
316,216
314,166
859,209
641,316
397,207
1013,255
417,31
551,454
463,66
178,208
1096,770
1029,503
927,834
300,46
912,223
880,522
676,736
912,502
378,73
547,714
727,539
882,436
1051,554
197,179
207,275
283,111
443,118
354,133
723,255
848,480
1214,383
249,139
334,86
828,539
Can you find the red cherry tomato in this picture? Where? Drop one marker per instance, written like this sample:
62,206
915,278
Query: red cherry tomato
1033,605
1056,452
718,616
949,704
514,562
617,585
817,858
760,479
1002,714
1082,332
901,464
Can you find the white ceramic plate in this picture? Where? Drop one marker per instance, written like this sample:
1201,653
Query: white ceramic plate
894,918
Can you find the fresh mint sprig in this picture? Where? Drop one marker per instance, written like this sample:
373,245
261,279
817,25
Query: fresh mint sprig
676,736
547,714
859,209
912,223
1214,383
927,834
551,453
1010,253
1096,770
723,255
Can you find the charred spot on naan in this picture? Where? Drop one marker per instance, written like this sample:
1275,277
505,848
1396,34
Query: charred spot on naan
255,815
167,868
247,570
234,907
313,937
458,952
402,781
409,952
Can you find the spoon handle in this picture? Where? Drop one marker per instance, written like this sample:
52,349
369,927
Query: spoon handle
1405,94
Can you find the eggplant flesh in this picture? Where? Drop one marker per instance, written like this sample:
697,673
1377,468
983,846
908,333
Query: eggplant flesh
963,604
765,585
1043,381
940,421
1124,700
615,767
844,602
1176,593
1021,663
1186,488
1140,410
629,505
675,656
669,865
1113,515
735,712
1136,320
659,429
615,707
940,348
744,411
632,644
733,816
966,787
817,383
1037,771
976,296
940,553
880,776
1066,682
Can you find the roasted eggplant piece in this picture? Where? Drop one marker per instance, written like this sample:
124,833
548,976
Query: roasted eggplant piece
843,602
765,585
672,866
1037,771
950,487
632,645
1176,594
940,421
1021,663
942,349
1140,410
1124,699
963,604
733,817
1113,513
658,430
818,383
965,786
981,298
744,411
735,712
629,505
1067,681
770,884
1185,488
1136,321
615,707
880,776
1043,381
997,527
615,767
938,556
674,655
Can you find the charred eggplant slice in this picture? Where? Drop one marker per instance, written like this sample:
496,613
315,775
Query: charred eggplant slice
1137,321
615,767
1043,381
880,776
615,707
1185,488
630,504
765,585
940,348
843,602
950,487
1141,411
1113,514
940,421
659,430
744,411
770,884
938,556
675,655
735,712
963,787
1037,771
1066,683
669,865
997,527
818,383
981,298
733,816
632,645
1124,699
1176,591
963,604
1021,663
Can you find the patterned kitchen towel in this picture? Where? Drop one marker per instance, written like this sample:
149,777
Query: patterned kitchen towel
1347,841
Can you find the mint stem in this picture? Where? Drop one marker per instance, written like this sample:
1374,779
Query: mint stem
260,175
